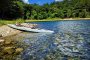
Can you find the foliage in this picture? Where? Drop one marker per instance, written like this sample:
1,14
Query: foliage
13,9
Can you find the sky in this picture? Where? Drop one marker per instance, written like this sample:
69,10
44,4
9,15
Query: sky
40,2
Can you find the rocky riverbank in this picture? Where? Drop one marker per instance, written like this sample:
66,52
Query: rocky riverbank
9,48
7,31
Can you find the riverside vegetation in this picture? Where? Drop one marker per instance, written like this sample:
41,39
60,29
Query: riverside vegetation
5,22
14,9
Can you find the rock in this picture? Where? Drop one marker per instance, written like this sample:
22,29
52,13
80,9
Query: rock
2,40
48,57
8,42
7,31
18,50
8,50
1,35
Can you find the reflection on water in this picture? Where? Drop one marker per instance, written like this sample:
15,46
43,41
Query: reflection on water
71,40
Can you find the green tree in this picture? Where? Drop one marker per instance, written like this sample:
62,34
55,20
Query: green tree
11,9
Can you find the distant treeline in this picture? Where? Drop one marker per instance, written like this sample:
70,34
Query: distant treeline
14,9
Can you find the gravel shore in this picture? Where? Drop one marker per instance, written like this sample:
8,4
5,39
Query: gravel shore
7,31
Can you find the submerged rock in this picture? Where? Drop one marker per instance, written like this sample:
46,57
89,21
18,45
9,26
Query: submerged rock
18,50
8,50
1,35
8,42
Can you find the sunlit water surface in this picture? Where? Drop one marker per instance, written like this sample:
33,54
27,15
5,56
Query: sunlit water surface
70,40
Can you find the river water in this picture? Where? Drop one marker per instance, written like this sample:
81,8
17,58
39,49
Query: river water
70,41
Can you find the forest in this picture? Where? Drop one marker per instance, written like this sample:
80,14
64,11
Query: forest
15,9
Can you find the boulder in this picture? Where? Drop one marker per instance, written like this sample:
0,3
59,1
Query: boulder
18,50
8,50
2,40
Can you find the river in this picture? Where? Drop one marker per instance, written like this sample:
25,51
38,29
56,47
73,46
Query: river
70,40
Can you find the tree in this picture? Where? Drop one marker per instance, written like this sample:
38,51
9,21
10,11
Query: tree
27,11
3,8
11,9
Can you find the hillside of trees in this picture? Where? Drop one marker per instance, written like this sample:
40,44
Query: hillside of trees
14,9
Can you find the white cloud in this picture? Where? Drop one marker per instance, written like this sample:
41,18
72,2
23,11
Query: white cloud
26,1
58,0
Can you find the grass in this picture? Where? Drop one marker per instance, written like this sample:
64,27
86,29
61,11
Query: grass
4,22
43,20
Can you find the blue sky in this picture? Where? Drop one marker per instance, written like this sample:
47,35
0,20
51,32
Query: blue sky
40,2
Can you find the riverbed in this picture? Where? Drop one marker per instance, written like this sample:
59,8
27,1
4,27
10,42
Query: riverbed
70,40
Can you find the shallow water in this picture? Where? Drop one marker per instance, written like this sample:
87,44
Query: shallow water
70,40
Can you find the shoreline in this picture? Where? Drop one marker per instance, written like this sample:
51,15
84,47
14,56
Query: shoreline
57,19
7,31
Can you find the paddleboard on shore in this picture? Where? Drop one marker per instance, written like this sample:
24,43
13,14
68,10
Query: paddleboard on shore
36,30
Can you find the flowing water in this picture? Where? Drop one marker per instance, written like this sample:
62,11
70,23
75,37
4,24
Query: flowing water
70,41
